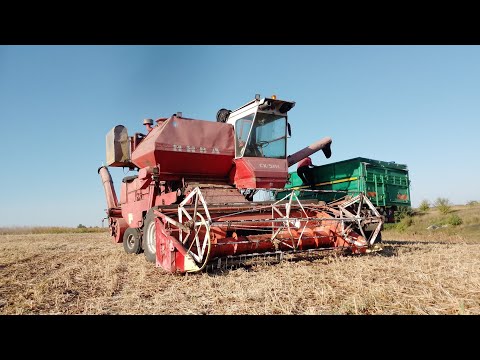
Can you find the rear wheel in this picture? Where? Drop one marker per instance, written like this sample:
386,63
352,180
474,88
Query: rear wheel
149,240
132,241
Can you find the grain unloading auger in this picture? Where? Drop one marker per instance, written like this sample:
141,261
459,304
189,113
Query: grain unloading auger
191,204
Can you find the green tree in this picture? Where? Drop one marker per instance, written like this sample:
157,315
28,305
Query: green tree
424,205
443,205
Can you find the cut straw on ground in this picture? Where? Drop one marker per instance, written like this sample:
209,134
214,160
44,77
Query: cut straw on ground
88,274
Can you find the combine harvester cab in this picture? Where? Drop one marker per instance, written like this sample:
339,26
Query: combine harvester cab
191,204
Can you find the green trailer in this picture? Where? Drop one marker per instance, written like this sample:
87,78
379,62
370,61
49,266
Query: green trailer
386,184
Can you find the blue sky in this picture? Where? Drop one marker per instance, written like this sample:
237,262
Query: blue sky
415,105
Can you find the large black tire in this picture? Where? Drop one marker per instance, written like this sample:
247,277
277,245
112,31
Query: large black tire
132,241
149,242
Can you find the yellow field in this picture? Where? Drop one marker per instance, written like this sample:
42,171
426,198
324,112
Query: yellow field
86,273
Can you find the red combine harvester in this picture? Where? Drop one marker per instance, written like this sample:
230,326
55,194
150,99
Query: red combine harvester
191,204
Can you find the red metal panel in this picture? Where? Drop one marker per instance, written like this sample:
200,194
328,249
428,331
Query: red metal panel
256,172
123,193
135,202
165,252
166,199
185,147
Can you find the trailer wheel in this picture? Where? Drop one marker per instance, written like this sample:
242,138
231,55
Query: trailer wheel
132,241
149,241
378,239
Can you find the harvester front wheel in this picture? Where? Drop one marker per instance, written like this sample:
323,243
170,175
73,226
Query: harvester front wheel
149,241
132,241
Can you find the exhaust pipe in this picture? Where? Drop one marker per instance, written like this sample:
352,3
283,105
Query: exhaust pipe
323,144
112,201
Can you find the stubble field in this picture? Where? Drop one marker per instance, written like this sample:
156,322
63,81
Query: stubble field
85,273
